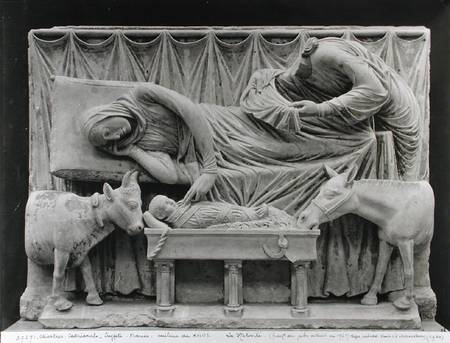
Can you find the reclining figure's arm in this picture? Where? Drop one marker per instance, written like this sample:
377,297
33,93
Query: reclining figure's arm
158,164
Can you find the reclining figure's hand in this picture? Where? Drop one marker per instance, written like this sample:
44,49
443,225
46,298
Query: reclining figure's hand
200,187
115,150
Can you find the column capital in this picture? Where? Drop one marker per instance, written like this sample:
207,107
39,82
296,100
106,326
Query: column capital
232,264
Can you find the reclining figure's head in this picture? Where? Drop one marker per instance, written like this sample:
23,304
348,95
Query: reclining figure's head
108,123
108,130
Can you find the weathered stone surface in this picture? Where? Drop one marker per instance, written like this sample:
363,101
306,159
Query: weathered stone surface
60,230
263,50
199,281
268,149
203,214
109,315
426,302
24,326
323,315
403,212
237,244
39,287
267,281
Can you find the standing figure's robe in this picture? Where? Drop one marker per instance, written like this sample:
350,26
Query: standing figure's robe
355,85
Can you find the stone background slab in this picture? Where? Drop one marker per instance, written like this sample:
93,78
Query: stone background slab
18,17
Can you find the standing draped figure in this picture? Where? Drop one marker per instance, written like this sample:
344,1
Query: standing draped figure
348,86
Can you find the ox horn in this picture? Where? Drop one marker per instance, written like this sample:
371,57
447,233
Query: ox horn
134,176
126,178
331,172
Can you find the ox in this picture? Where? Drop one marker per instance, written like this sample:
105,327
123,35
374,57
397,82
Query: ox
403,212
61,228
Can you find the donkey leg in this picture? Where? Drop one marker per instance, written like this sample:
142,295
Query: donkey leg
92,297
407,253
424,295
421,265
384,254
61,259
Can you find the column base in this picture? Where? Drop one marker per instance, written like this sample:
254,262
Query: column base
299,311
233,311
164,311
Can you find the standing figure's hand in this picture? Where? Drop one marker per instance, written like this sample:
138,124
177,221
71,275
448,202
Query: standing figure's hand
114,149
306,108
200,187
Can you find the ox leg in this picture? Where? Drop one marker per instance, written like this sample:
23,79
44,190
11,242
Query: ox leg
384,254
407,254
61,259
92,297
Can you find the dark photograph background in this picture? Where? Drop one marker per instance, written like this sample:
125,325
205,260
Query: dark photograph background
20,16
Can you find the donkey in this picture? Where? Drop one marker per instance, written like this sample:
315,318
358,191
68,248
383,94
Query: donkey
61,228
403,212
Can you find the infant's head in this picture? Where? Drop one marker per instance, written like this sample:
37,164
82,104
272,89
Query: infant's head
161,207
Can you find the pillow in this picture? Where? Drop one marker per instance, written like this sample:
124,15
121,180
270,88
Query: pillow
71,155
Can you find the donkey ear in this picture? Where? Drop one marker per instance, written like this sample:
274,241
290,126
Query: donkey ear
126,178
331,173
108,191
351,174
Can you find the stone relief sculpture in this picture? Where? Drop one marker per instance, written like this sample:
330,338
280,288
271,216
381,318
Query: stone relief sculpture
287,119
61,228
404,215
204,214
162,123
250,152
341,81
165,213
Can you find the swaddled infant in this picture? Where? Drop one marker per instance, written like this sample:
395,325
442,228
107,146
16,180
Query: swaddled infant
207,213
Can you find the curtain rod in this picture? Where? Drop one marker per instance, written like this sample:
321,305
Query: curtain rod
238,33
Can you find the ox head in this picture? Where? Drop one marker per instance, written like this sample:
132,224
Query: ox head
125,204
335,199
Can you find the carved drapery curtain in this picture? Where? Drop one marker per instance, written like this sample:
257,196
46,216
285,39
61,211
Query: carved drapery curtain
211,70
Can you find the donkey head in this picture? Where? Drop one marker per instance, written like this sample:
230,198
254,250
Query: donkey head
334,199
125,204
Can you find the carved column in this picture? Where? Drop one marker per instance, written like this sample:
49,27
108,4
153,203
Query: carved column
299,288
233,298
165,286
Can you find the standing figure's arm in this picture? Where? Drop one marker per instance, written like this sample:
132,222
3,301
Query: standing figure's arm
368,94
